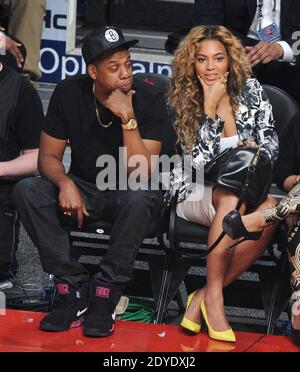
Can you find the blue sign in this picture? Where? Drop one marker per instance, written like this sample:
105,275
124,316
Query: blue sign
56,65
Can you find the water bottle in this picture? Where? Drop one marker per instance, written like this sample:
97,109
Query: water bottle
49,288
286,328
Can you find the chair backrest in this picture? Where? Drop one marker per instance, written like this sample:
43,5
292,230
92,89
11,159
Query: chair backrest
162,82
284,106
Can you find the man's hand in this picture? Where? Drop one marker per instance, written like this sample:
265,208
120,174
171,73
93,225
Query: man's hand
71,201
120,104
13,47
264,52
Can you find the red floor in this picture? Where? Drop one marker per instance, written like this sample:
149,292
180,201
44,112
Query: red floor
19,332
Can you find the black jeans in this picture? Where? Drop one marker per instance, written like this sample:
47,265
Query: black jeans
9,236
131,213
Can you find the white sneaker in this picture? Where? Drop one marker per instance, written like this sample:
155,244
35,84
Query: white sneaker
122,305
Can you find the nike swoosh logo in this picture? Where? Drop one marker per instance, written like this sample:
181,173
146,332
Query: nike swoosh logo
79,313
113,315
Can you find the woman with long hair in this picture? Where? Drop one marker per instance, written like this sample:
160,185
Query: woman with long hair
288,179
217,105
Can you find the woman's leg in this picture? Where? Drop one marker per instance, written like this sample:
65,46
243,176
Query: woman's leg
293,249
246,253
264,216
217,265
218,261
243,256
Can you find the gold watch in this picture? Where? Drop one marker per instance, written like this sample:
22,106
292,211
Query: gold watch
130,125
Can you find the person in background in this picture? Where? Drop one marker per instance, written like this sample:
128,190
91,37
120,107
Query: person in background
288,179
12,51
269,31
26,24
20,126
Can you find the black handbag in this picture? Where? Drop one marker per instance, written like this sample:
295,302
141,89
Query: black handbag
245,171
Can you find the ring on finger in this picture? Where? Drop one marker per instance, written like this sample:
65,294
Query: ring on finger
223,79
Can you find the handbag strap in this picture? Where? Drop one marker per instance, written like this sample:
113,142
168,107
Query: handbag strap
249,176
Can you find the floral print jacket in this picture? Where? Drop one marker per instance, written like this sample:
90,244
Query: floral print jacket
254,120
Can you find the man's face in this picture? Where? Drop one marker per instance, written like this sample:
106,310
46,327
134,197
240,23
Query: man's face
113,72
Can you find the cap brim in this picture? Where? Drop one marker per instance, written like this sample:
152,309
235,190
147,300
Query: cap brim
127,44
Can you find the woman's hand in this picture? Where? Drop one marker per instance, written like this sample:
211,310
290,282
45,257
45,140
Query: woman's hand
291,181
213,94
296,181
247,143
224,108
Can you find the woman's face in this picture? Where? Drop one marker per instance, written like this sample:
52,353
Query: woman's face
211,61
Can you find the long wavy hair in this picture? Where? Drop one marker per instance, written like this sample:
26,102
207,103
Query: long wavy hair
186,93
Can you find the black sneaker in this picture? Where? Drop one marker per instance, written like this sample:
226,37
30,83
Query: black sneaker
69,308
100,320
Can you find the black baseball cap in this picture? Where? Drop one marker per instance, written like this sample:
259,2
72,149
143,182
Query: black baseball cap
103,40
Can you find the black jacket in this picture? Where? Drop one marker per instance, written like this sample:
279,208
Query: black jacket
288,163
237,15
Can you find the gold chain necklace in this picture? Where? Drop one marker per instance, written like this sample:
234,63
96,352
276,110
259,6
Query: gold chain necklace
98,114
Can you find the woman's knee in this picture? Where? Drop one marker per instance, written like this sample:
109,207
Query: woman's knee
224,199
268,203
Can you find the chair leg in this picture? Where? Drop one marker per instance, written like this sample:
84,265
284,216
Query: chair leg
280,294
163,293
174,273
179,299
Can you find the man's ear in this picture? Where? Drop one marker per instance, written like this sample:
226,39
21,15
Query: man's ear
91,70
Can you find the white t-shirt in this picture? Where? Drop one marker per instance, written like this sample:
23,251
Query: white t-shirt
227,142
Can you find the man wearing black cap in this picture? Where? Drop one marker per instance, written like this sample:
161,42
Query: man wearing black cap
101,114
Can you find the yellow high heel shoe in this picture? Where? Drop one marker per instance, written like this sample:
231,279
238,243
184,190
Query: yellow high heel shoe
227,335
189,324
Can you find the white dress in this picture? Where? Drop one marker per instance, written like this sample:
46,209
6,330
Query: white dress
198,206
